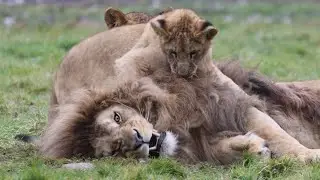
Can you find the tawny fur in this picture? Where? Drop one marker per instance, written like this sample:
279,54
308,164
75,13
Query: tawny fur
145,68
74,130
197,125
286,103
116,18
94,58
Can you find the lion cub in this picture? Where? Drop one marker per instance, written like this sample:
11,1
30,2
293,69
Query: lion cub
185,39
178,39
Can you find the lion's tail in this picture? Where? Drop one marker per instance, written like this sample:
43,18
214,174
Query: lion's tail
27,138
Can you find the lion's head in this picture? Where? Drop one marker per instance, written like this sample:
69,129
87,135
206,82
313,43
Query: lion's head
98,123
121,129
116,18
185,39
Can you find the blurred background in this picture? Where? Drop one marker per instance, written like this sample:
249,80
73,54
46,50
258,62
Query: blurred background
280,38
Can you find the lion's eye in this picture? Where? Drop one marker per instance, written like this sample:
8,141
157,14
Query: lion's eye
193,54
173,54
117,117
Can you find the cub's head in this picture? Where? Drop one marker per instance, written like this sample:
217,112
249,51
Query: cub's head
97,123
185,39
116,18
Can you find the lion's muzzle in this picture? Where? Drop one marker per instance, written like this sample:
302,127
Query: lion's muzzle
139,139
184,69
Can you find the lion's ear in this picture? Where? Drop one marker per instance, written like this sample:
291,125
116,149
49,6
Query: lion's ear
159,26
114,18
207,30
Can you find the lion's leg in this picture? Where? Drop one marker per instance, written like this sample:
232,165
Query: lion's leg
264,126
280,142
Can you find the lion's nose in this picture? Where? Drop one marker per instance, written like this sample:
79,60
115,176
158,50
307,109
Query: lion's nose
138,139
183,69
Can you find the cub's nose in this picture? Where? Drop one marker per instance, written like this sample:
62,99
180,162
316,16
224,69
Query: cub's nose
183,69
138,139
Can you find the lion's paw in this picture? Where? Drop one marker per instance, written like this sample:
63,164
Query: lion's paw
311,156
258,146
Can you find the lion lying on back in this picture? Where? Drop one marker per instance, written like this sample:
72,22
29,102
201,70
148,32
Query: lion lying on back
182,73
125,123
183,28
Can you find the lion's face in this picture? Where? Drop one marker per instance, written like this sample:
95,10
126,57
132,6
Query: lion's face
185,39
121,130
183,55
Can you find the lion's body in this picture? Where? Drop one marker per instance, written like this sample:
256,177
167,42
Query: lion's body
211,103
85,127
295,109
295,106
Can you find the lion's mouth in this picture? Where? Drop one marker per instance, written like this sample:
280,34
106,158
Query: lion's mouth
156,143
160,144
189,73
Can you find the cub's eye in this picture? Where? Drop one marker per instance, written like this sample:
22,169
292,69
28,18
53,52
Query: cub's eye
193,54
173,54
117,117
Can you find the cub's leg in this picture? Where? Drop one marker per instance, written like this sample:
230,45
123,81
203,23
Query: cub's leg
280,142
230,149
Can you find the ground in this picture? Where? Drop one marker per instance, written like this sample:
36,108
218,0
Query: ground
280,40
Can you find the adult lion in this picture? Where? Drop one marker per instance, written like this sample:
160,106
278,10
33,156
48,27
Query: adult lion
139,117
68,80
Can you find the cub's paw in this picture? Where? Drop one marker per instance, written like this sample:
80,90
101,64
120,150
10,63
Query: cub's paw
148,88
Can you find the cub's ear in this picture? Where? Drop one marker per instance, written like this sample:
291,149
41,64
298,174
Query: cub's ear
114,18
159,26
207,30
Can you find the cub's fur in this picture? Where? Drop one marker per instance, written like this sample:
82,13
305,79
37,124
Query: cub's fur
185,39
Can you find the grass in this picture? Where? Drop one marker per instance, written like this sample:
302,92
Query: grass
281,39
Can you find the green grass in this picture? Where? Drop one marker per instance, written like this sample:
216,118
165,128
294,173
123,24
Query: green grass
32,49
